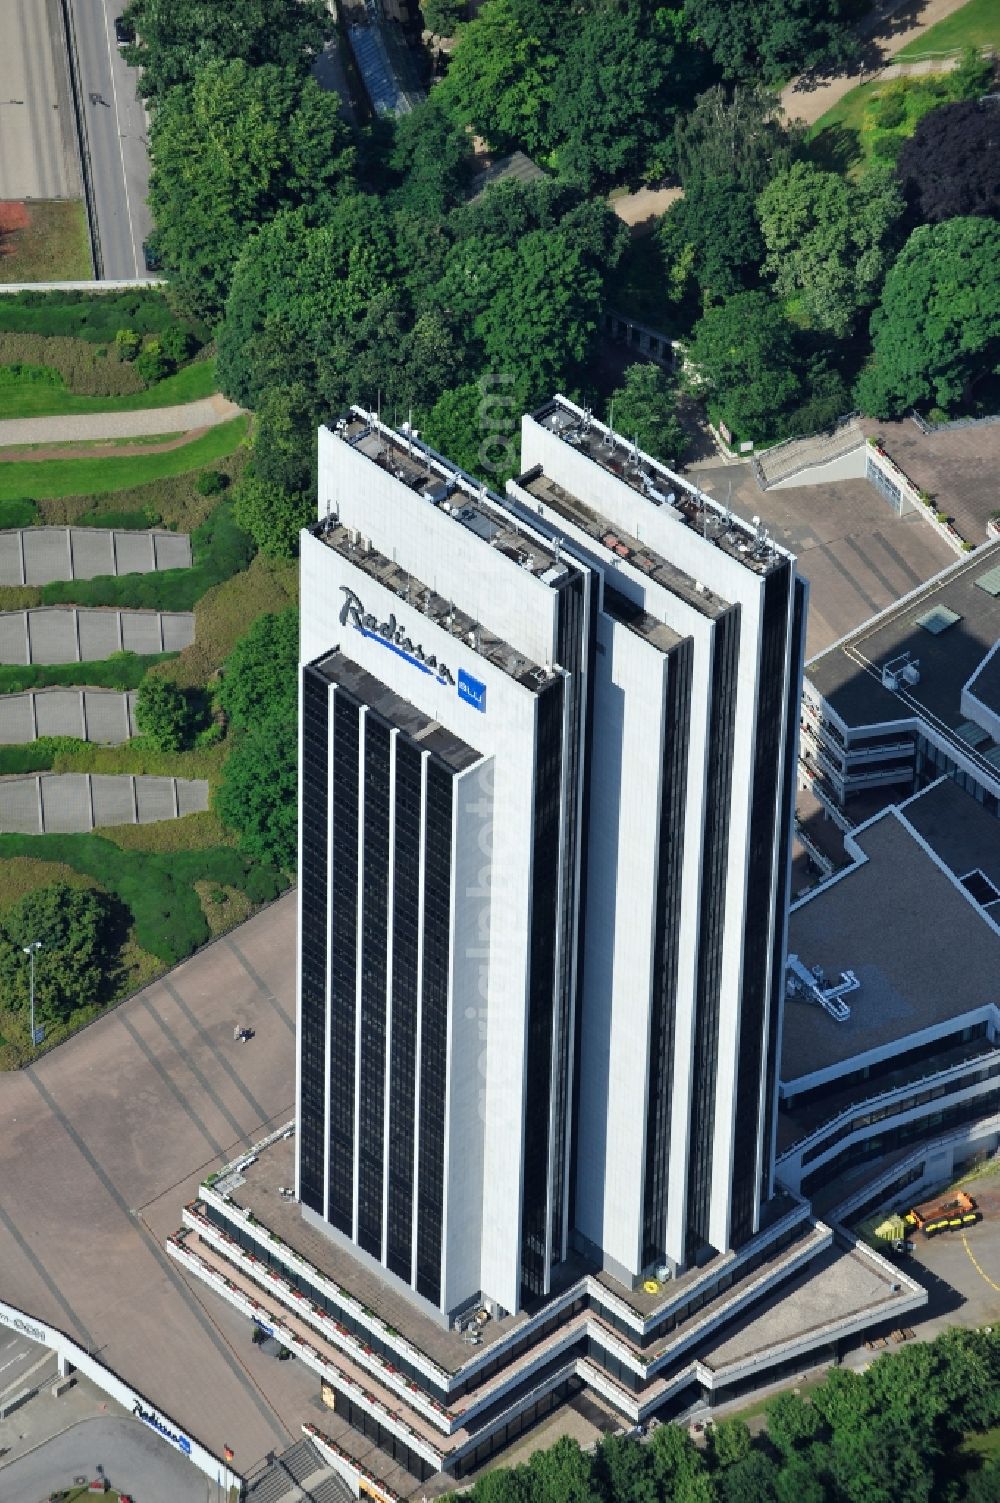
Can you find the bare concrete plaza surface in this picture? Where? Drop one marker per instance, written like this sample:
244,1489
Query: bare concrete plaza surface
102,1143
857,555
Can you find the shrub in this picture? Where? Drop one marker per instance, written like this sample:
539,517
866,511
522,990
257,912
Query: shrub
887,148
157,889
260,678
177,344
219,549
34,756
127,344
890,110
122,670
95,317
86,370
18,513
211,482
151,364
163,714
75,931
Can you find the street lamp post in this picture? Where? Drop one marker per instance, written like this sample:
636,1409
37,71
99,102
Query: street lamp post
29,950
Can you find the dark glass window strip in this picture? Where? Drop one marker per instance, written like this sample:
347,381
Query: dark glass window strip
541,987
591,629
787,817
899,1135
569,652
712,918
374,961
312,941
358,1417
402,1065
673,794
765,809
343,961
434,1029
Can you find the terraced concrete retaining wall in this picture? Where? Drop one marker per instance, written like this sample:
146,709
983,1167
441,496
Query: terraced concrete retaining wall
75,802
38,555
103,715
83,634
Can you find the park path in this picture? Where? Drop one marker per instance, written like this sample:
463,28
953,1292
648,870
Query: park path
891,26
67,427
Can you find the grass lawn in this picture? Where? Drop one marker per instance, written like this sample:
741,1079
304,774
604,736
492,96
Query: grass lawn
850,136
986,1445
71,477
40,399
54,246
977,24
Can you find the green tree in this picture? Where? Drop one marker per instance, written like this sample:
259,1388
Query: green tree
163,714
441,17
176,41
260,677
258,793
729,1441
434,157
792,1423
272,516
937,327
734,134
76,931
711,236
644,410
829,240
563,1473
770,39
230,152
744,354
624,1471
677,1461
500,78
749,1479
799,1480
617,91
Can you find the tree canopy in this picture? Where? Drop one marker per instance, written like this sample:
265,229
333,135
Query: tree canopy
176,39
770,39
937,327
735,134
829,241
162,713
743,352
711,237
75,929
229,152
950,167
260,679
644,408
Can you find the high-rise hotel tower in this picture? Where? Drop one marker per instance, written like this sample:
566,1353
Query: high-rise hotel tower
547,763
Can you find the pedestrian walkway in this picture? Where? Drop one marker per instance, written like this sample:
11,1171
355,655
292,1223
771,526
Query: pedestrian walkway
72,803
106,716
39,555
85,634
892,25
85,427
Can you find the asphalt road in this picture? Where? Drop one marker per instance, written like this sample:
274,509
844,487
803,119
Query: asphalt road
116,139
37,133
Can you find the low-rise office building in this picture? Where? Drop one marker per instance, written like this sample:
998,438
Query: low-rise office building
914,693
896,1082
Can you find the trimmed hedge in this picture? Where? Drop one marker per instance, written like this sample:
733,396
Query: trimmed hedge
35,756
122,670
18,513
157,890
219,549
96,317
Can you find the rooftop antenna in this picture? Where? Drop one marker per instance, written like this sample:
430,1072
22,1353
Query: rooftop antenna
378,408
427,602
409,431
608,441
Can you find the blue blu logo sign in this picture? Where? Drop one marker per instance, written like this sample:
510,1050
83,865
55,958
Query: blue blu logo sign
472,690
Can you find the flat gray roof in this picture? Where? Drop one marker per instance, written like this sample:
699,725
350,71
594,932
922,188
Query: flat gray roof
987,685
921,949
964,834
429,734
849,674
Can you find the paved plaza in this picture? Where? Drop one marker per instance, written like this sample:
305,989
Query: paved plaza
103,1142
857,555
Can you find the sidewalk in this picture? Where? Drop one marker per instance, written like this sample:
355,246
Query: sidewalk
94,425
884,33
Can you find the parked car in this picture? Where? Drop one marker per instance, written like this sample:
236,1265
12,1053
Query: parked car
124,31
151,256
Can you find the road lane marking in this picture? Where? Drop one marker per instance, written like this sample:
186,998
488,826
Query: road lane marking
965,1243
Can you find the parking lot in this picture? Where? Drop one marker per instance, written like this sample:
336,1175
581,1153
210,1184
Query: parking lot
103,1142
962,1268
